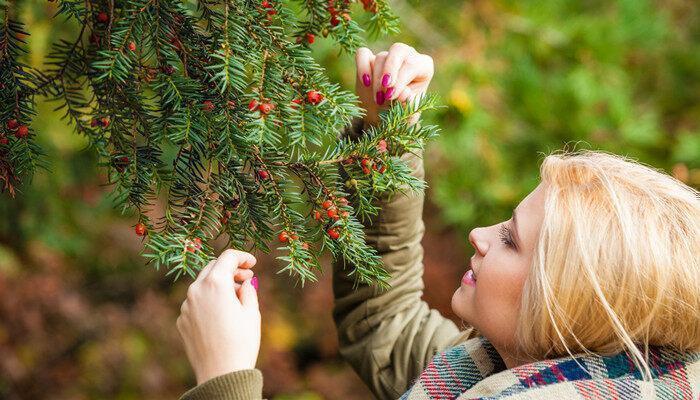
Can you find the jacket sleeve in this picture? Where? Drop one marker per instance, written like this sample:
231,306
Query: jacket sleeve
239,385
389,336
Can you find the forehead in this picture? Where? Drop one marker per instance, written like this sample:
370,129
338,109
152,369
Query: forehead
530,213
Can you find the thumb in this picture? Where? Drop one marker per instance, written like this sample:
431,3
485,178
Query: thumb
249,295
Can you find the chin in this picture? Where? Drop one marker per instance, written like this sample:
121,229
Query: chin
460,304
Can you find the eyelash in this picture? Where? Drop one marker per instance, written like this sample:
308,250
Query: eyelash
506,237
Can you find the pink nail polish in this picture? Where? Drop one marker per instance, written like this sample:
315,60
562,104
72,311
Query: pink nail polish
385,80
380,98
254,282
389,92
366,79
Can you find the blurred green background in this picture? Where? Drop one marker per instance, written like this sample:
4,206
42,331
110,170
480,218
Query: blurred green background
82,317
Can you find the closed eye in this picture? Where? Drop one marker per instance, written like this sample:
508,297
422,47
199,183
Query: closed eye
507,237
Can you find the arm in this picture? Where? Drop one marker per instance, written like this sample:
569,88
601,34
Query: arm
390,336
221,331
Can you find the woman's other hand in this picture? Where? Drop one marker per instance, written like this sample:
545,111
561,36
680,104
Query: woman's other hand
400,74
220,320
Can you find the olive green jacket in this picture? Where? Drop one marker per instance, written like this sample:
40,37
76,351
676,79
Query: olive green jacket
388,336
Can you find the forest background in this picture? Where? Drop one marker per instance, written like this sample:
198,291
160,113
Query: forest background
82,316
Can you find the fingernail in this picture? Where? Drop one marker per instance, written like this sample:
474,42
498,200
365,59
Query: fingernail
254,282
366,79
385,80
389,92
380,98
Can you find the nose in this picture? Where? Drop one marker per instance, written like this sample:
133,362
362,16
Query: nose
478,241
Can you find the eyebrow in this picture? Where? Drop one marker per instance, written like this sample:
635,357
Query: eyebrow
515,228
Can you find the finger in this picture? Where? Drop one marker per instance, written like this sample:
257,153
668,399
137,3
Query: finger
242,274
227,264
398,53
248,295
416,69
363,62
205,271
405,95
377,89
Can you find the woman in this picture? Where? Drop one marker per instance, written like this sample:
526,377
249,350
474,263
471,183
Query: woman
590,290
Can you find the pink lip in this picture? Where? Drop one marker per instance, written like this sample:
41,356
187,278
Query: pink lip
468,278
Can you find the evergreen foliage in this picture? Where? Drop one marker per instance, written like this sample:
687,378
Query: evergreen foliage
214,119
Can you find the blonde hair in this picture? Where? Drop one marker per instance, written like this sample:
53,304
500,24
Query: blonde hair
616,264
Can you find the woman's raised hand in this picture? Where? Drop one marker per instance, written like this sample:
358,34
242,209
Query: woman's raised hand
220,320
400,74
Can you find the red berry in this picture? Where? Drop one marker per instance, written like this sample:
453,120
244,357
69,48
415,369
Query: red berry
294,236
225,217
345,214
104,121
366,171
327,204
310,38
382,169
381,146
296,103
132,46
346,16
314,97
208,106
22,131
253,105
266,4
332,213
102,17
317,215
197,243
4,140
283,237
305,246
334,20
365,162
263,174
140,229
12,124
271,11
333,233
265,108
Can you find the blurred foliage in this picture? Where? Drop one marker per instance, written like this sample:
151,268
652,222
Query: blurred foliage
81,315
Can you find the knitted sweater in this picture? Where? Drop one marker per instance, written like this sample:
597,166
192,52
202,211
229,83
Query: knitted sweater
399,346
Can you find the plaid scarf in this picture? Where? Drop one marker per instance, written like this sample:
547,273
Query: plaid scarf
474,370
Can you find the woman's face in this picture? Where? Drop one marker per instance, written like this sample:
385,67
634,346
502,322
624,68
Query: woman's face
488,297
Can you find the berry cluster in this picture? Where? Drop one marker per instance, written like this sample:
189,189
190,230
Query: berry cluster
310,38
232,204
120,163
334,12
368,164
288,237
270,9
331,210
21,131
369,5
102,122
265,108
140,229
193,245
